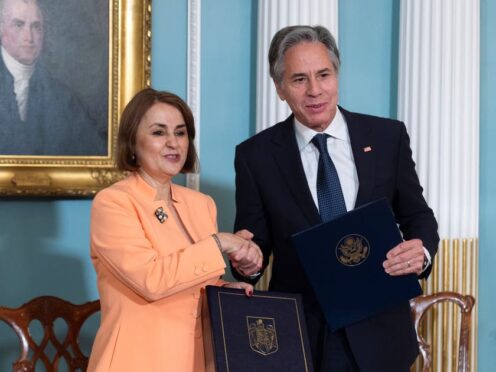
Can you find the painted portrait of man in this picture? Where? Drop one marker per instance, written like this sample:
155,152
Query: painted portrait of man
43,111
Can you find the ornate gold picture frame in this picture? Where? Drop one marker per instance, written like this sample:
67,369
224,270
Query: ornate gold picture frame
129,45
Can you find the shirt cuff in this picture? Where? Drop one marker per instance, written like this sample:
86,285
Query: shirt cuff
253,276
427,260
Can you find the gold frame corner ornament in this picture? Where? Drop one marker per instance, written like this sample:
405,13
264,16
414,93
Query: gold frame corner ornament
129,71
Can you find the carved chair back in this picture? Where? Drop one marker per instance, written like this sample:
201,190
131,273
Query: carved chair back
419,307
47,309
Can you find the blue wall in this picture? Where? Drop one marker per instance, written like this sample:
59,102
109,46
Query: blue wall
44,243
487,251
368,43
227,96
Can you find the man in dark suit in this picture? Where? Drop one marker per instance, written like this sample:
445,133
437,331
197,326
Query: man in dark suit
276,196
39,115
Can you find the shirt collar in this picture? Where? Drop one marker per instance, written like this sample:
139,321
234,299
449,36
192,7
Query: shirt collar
336,129
17,70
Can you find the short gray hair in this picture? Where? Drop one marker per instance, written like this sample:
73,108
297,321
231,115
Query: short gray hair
288,37
2,7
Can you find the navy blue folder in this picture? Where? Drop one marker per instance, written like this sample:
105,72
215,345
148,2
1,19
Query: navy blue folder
262,333
343,260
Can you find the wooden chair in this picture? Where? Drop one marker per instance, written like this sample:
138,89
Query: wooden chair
419,307
47,309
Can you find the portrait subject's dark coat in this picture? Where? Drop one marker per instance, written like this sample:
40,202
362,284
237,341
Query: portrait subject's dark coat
56,121
273,201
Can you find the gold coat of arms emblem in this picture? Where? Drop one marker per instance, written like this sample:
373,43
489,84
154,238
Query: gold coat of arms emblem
352,250
262,335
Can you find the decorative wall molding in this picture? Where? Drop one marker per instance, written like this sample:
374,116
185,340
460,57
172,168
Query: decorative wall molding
272,16
455,269
193,78
438,98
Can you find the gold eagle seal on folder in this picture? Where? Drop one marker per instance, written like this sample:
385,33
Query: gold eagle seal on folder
352,250
262,334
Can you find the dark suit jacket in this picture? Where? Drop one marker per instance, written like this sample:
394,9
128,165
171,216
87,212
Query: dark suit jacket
56,122
273,201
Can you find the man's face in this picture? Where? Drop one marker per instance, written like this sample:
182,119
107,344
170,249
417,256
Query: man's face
310,84
21,30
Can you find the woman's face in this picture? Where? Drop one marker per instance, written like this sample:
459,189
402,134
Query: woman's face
162,142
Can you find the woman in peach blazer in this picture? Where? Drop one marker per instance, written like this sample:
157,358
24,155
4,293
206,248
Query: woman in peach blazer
154,245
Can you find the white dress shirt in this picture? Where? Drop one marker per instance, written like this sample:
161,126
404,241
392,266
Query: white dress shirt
339,148
21,73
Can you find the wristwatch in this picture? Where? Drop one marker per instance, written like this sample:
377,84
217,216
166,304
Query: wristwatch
250,277
253,276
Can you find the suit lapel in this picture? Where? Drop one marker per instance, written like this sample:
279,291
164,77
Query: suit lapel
364,156
191,223
287,157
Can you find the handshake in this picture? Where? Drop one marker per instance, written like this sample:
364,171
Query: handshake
245,255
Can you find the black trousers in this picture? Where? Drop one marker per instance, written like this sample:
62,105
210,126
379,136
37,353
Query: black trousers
336,353
331,351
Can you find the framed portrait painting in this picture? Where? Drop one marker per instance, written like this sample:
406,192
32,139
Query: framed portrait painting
67,69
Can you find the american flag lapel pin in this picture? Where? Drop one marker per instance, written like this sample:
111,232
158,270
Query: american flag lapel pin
367,149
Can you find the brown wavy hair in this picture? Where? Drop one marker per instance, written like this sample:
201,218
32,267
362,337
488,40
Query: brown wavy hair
131,118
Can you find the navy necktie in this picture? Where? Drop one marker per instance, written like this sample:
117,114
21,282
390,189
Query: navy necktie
329,193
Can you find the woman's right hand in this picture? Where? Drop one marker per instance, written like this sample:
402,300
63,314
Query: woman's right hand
230,243
244,254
